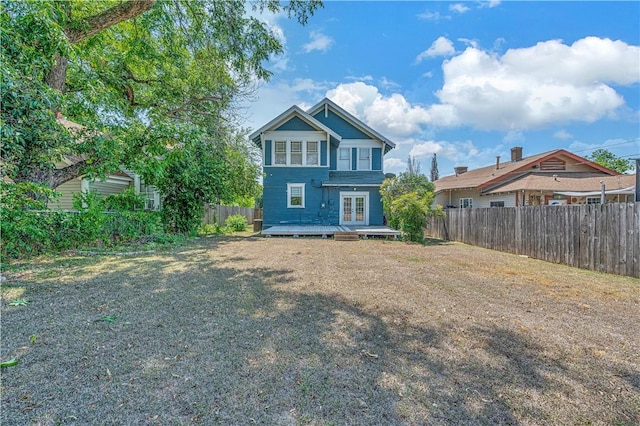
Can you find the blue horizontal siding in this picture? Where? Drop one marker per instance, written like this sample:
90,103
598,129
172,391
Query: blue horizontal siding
296,123
322,204
340,126
275,210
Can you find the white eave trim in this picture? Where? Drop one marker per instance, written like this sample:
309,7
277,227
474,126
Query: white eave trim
291,112
350,118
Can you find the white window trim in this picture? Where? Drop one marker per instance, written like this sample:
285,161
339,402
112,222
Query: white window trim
295,185
349,150
370,158
288,153
461,202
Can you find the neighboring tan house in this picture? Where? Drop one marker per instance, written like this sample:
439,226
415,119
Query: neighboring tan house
322,166
113,183
550,178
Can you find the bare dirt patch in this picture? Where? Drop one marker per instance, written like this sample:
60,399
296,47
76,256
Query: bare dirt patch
312,331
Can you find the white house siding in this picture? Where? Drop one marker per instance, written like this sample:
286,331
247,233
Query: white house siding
485,200
109,187
65,200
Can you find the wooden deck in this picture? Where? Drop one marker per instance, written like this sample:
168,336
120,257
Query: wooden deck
326,231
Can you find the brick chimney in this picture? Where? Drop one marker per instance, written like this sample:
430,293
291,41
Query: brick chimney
516,153
460,170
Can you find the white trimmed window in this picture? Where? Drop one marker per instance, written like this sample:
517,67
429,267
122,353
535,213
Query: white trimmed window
466,202
364,158
295,195
281,152
344,159
296,153
312,154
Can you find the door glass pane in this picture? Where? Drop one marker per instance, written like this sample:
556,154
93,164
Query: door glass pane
346,209
359,209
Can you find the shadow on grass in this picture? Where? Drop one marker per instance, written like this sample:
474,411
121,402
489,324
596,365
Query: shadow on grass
197,341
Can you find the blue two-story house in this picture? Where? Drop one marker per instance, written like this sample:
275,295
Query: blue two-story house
321,167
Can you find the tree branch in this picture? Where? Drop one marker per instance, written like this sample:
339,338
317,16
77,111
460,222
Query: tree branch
103,20
174,112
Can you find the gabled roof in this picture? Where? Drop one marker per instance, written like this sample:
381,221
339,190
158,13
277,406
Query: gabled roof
351,120
489,178
294,111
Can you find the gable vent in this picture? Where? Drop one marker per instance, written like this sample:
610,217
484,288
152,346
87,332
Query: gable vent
553,164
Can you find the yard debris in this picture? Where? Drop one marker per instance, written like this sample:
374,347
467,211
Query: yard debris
369,354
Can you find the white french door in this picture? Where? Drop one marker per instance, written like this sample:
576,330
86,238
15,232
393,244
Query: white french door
354,208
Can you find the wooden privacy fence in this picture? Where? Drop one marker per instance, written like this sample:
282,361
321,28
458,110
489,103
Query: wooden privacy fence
218,214
600,237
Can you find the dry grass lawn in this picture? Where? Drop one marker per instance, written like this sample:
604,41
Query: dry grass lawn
280,331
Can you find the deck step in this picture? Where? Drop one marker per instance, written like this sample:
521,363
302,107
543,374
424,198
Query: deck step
346,236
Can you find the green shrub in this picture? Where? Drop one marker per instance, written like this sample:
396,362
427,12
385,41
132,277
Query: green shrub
236,223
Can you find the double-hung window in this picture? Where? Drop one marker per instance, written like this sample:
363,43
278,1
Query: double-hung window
281,152
312,153
295,195
344,159
364,159
296,153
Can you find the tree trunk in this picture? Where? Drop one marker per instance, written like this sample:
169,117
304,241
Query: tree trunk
58,74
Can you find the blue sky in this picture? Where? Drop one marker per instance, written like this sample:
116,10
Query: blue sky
466,80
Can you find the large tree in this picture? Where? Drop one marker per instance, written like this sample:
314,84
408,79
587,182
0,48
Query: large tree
608,159
142,77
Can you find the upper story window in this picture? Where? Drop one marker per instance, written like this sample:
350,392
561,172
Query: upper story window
296,153
364,158
344,158
281,152
312,153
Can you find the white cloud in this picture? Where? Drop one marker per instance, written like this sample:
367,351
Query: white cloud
490,3
537,86
441,47
425,149
432,16
393,116
459,7
394,165
469,42
563,135
319,41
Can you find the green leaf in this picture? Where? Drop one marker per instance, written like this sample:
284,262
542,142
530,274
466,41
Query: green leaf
11,363
19,302
108,318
